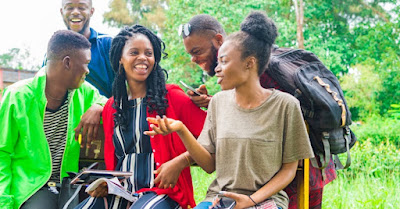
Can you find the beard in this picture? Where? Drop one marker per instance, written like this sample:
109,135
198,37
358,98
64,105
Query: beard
214,62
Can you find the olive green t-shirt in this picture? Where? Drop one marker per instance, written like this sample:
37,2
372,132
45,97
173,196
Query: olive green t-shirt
250,145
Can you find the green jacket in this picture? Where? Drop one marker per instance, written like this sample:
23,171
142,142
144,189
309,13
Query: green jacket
25,159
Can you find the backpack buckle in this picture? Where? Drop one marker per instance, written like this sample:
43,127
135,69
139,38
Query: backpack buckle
347,130
325,135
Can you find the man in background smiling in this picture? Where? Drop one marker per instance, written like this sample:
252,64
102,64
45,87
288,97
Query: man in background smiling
76,15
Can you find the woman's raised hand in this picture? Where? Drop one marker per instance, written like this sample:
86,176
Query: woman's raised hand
163,125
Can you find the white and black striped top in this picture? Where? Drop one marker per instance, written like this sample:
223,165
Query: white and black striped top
55,128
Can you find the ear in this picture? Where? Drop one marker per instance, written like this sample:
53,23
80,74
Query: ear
67,62
218,40
251,63
91,11
61,12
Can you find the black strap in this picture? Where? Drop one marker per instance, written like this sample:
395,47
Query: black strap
324,158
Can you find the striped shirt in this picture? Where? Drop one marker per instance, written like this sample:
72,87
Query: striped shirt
55,129
133,150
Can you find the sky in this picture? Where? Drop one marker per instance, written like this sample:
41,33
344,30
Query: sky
29,24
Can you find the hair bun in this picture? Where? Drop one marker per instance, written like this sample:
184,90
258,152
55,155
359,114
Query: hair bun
260,26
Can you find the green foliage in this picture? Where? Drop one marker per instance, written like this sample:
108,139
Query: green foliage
372,159
362,192
201,181
354,34
119,14
370,182
395,111
377,129
149,13
17,58
362,87
377,46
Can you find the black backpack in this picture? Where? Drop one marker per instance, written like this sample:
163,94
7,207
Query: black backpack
324,108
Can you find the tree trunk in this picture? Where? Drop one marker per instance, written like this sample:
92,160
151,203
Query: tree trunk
299,9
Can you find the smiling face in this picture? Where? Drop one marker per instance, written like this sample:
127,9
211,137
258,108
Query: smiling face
138,58
78,67
76,15
203,51
231,70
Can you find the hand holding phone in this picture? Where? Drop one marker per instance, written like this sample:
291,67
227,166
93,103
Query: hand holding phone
190,88
224,202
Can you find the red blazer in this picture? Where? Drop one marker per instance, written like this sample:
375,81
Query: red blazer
166,147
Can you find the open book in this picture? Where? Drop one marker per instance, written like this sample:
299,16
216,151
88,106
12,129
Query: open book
114,187
88,176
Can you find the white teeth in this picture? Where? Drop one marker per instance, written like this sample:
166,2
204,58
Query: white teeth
76,20
141,66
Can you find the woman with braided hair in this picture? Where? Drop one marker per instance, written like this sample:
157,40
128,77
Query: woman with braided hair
139,91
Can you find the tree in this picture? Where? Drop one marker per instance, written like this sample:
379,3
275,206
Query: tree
362,87
343,34
149,13
119,14
17,59
299,9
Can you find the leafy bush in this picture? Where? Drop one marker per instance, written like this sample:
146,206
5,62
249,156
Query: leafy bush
370,182
373,160
395,111
361,87
377,129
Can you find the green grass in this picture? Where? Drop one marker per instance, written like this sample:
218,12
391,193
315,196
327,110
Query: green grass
372,181
201,181
362,192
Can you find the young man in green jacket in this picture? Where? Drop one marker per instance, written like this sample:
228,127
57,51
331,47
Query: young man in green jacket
41,119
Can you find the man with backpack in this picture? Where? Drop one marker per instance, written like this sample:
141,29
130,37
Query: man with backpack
202,37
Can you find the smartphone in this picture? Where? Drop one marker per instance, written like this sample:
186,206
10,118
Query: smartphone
225,202
190,88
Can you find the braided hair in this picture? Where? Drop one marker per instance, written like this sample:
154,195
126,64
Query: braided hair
156,90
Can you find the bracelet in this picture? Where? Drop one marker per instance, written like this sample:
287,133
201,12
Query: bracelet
255,204
187,159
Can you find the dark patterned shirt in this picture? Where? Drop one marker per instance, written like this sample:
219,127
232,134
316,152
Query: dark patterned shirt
55,128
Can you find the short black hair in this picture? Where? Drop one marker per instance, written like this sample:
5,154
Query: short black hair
256,37
203,23
65,42
156,89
